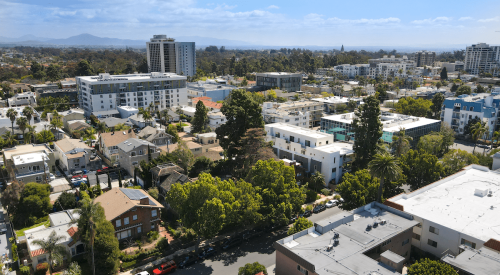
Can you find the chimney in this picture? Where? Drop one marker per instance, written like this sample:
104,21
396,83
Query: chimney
144,201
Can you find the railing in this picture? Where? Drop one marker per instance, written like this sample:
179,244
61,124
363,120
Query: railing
18,175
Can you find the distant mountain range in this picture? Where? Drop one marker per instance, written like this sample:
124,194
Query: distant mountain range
85,39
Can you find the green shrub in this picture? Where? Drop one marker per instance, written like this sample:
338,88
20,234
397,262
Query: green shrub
310,196
25,270
15,256
309,207
326,191
152,236
162,244
128,265
318,197
189,235
336,197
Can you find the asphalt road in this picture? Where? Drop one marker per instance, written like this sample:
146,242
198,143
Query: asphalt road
257,250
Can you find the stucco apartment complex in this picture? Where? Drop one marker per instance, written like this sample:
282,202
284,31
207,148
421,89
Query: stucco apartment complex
341,126
461,209
108,143
314,150
106,92
458,111
272,113
314,108
288,82
73,154
373,239
133,212
133,150
167,56
482,57
424,58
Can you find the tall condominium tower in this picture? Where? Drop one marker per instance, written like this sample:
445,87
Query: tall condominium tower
167,56
482,58
424,58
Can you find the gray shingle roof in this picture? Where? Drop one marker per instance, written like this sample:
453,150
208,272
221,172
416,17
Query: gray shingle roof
133,143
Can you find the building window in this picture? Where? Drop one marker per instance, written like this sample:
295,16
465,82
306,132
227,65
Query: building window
139,229
334,170
405,242
110,96
432,243
152,225
301,269
308,143
132,154
134,217
433,230
292,139
471,109
153,213
118,223
416,236
468,243
125,221
101,96
387,242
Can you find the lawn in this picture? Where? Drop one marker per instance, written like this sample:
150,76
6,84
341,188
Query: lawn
20,232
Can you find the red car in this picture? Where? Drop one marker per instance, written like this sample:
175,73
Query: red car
79,176
165,268
102,170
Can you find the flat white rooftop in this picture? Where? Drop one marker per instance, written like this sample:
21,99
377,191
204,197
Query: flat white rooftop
297,130
29,158
390,122
332,99
342,147
107,78
453,202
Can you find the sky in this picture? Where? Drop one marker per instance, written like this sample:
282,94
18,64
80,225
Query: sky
271,22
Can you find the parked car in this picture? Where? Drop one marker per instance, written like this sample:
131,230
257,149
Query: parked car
331,203
79,177
189,260
58,173
292,219
77,173
165,268
142,273
51,177
207,253
235,241
250,234
306,214
319,208
103,170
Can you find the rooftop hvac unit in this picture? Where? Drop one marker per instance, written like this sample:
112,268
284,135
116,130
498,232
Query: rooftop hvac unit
329,248
382,222
336,235
369,227
375,224
336,242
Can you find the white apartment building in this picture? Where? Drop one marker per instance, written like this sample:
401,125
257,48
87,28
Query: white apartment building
216,119
314,150
424,58
482,58
288,82
457,111
6,122
272,113
315,109
22,99
167,56
461,209
351,71
106,92
210,88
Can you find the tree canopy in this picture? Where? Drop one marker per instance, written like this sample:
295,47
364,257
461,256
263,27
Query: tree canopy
429,267
252,269
421,168
357,189
368,131
299,225
200,119
33,204
414,107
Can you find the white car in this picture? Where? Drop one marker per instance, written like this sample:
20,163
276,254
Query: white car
142,273
331,203
51,177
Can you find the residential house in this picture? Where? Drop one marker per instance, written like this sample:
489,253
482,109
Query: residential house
74,155
77,125
165,175
22,99
207,101
156,136
29,163
5,120
139,121
133,212
108,143
133,150
18,134
216,119
23,87
61,223
271,113
111,122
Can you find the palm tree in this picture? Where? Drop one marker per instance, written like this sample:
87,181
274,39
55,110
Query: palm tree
147,117
9,139
12,114
478,131
400,143
28,113
317,181
101,127
22,122
90,212
384,166
89,135
29,134
52,247
167,116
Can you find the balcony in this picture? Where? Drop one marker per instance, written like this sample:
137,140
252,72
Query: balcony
123,95
140,98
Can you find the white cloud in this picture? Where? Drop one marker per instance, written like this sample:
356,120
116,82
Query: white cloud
438,20
494,19
318,19
273,7
466,18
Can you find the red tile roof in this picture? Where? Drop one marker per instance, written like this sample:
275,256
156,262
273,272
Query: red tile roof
208,103
493,244
37,252
72,231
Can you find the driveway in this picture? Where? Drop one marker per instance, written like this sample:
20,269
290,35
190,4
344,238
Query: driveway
60,184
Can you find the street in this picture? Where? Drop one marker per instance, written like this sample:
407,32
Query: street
257,250
467,146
